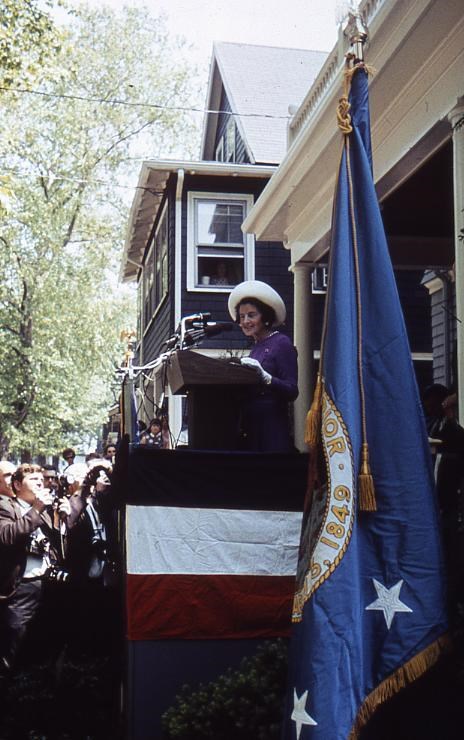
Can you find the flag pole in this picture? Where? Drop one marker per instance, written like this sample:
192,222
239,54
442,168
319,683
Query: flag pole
352,651
356,31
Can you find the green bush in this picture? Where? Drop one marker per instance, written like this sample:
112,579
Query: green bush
245,704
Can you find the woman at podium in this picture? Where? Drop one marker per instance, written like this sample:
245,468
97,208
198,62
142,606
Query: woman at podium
259,310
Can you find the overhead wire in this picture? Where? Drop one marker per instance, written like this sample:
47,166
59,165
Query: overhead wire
138,104
81,181
116,101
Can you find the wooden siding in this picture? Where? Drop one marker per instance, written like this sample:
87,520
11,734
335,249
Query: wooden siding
241,155
414,299
443,315
415,302
162,326
271,264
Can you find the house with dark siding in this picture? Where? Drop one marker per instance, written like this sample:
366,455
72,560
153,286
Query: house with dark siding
185,223
184,246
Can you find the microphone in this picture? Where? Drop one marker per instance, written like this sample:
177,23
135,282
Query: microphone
206,330
203,317
216,327
171,342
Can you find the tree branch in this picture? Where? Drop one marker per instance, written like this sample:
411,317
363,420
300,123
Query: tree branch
124,138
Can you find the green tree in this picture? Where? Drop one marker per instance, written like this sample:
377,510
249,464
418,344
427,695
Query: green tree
72,148
27,37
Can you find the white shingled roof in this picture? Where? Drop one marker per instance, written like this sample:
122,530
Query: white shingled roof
262,80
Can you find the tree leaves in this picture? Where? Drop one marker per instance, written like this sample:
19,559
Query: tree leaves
70,163
27,37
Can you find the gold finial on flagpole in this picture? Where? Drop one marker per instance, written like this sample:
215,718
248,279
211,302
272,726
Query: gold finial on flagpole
356,31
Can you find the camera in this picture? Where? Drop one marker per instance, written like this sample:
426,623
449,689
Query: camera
54,574
63,487
98,472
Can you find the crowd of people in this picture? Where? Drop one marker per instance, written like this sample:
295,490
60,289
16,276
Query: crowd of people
58,555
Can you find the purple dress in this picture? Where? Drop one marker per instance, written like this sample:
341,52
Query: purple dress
265,419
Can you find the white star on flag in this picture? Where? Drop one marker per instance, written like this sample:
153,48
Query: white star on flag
299,714
388,601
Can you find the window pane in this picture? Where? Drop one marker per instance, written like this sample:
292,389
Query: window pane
230,141
161,261
139,309
220,272
149,287
164,271
219,223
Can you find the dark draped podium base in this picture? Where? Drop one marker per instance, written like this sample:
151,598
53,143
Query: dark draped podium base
157,669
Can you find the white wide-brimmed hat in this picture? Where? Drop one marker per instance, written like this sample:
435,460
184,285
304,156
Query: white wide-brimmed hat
263,292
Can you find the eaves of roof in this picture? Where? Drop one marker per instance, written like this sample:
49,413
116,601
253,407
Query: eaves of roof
149,194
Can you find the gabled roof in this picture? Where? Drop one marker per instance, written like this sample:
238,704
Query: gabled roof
260,83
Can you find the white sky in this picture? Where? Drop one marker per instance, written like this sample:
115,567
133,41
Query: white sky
305,24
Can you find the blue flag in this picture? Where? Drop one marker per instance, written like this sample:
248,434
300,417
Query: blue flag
369,610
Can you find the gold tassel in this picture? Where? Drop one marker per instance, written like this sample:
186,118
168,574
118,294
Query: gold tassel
313,417
367,500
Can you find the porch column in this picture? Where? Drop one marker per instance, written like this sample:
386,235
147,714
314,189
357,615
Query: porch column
302,337
456,118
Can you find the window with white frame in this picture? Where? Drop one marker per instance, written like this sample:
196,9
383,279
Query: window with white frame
220,255
319,279
155,271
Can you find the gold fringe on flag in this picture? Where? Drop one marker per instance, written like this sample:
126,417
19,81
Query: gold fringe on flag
402,677
367,500
314,415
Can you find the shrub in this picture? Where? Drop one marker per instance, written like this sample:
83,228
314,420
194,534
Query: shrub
245,704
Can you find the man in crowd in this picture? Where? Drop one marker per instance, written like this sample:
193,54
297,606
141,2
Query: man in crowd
6,471
50,477
68,455
25,535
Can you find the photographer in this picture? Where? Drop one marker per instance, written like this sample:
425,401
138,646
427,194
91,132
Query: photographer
27,547
86,554
90,560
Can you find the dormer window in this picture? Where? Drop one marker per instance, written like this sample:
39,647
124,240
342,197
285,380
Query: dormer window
220,255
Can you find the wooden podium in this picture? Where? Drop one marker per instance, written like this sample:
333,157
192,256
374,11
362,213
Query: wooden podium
214,388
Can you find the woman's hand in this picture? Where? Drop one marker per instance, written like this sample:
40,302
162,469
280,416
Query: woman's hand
255,365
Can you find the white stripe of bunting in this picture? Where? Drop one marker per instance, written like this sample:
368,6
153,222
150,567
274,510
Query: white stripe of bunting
172,540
